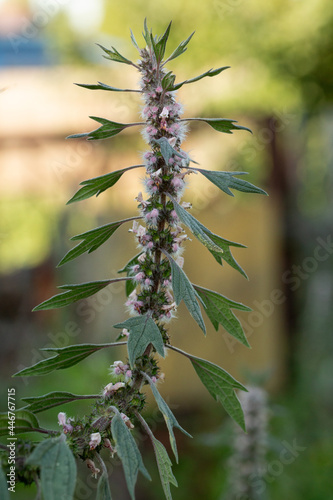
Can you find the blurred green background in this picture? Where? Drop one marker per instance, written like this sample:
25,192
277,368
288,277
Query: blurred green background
280,85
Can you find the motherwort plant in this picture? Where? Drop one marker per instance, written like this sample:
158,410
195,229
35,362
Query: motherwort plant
155,284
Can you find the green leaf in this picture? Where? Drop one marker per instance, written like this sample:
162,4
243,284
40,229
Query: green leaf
128,453
130,285
91,240
218,309
167,151
226,180
4,495
143,331
134,41
103,488
211,72
65,358
218,246
180,49
108,129
25,421
220,124
183,290
97,185
113,55
146,33
226,255
164,467
169,417
52,399
159,46
75,292
198,229
168,81
104,86
220,384
58,468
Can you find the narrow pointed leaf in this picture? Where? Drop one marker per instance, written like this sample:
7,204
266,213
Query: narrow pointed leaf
210,73
52,399
143,331
220,384
159,46
65,358
146,34
226,181
169,417
130,285
25,421
74,293
183,290
108,129
113,55
198,229
180,49
57,466
97,185
220,124
167,151
164,465
134,41
104,86
103,488
4,495
91,240
218,309
128,453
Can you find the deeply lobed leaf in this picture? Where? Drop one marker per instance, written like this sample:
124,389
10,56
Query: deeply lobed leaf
91,240
226,181
225,125
182,47
113,55
97,185
74,293
107,130
218,309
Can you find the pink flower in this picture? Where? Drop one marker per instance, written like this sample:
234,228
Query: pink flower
95,440
65,422
140,276
127,421
112,388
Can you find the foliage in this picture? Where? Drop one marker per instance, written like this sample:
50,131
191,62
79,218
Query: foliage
155,284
